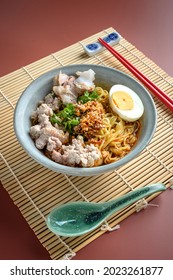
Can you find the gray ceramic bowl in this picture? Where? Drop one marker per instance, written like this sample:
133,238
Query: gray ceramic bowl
106,77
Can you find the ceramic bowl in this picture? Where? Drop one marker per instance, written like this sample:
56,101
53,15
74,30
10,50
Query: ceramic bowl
105,77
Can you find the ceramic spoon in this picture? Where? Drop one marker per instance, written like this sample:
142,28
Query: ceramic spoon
77,218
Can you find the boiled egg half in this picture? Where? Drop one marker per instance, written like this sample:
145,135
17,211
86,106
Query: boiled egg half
126,103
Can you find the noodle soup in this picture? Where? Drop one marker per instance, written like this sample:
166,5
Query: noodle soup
75,125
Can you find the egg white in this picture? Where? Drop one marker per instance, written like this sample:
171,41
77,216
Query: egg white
128,115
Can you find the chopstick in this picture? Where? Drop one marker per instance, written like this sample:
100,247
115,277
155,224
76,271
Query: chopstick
164,98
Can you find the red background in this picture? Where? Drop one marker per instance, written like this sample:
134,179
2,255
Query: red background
31,30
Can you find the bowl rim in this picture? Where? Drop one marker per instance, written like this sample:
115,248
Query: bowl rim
39,157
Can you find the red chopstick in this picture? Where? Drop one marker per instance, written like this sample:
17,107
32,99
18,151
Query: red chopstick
164,98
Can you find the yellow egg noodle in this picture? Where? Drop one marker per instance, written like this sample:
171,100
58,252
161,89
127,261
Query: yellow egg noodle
117,136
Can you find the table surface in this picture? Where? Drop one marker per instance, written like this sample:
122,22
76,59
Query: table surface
31,30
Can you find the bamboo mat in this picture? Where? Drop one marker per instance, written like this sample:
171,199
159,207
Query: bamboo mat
36,190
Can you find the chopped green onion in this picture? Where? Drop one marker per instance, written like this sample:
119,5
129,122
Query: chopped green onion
66,117
55,119
87,96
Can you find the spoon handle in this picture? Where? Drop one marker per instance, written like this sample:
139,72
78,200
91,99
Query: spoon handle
134,196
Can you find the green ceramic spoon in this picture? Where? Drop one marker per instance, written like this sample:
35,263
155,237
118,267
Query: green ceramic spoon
77,218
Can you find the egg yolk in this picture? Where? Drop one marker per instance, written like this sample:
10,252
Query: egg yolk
122,100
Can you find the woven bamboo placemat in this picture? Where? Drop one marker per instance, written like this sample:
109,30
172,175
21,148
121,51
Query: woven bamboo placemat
36,190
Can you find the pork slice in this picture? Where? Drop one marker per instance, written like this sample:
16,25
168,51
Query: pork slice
45,135
77,154
85,81
35,131
66,94
60,79
43,120
53,143
53,102
63,79
44,109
